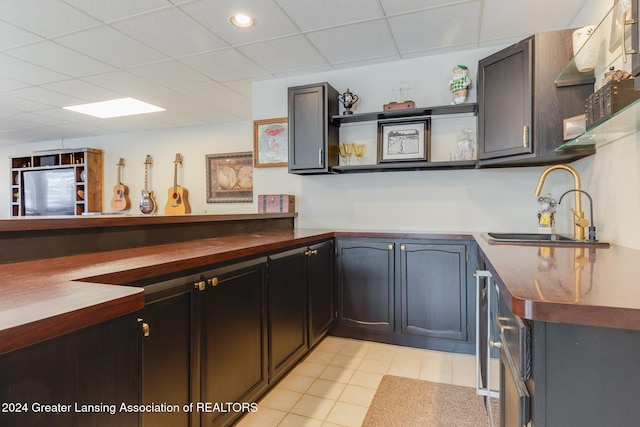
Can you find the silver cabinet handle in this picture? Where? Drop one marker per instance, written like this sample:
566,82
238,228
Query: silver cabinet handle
320,156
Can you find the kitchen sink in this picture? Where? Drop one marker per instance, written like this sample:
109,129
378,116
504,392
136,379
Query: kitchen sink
538,239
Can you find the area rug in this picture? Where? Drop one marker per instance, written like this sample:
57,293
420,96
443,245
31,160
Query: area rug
407,402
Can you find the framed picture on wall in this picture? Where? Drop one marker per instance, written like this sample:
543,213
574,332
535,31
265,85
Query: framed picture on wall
407,140
270,142
230,178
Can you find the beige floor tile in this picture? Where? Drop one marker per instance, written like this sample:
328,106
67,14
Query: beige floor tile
366,379
327,389
263,417
280,399
374,366
293,420
402,370
313,407
327,424
346,361
294,382
309,369
355,348
357,395
347,414
334,373
384,354
436,373
463,371
320,356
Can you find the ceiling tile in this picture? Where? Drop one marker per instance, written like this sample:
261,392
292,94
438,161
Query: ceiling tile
82,90
55,57
111,46
433,29
545,15
225,65
111,10
44,96
25,72
44,18
395,7
124,83
13,36
271,21
354,42
221,97
172,32
301,54
170,74
315,15
10,84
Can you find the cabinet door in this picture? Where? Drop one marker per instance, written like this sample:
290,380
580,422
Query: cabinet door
505,103
99,365
313,140
321,295
231,365
287,311
434,290
366,284
165,359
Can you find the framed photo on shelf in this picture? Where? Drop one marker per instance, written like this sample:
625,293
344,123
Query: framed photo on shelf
230,178
401,141
270,142
573,127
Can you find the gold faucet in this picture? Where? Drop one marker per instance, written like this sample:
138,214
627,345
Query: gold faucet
580,221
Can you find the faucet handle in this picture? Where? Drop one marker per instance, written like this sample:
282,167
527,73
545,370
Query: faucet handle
581,221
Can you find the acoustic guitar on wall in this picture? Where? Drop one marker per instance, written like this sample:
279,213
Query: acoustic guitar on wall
147,203
120,199
177,202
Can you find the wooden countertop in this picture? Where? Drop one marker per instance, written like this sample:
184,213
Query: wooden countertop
43,299
25,223
586,286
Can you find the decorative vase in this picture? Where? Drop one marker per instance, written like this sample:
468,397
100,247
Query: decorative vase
586,48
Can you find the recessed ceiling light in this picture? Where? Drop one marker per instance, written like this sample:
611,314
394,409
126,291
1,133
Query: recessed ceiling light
242,21
115,108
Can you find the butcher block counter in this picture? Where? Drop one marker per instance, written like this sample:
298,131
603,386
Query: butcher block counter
46,298
574,285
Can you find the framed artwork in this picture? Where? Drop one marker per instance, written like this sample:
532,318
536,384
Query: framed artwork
230,178
407,140
621,15
270,142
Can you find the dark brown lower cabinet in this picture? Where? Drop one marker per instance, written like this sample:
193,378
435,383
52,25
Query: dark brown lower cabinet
320,269
288,335
230,335
417,293
166,359
85,377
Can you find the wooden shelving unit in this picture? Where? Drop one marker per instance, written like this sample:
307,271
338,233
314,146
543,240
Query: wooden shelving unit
86,164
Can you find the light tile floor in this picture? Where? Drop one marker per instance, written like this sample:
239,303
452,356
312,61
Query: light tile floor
334,385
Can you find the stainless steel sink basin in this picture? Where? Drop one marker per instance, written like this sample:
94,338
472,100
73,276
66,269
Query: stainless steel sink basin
535,239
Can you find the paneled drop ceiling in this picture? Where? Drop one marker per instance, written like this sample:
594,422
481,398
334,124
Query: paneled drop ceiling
186,57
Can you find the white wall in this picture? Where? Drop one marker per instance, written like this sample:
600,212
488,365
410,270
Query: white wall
456,200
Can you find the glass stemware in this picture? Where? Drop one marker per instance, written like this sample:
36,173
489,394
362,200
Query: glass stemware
349,149
343,152
358,150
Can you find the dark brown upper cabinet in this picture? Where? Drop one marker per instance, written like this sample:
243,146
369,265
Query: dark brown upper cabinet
313,138
521,109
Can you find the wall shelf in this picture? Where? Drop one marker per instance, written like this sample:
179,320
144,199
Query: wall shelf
623,123
405,166
407,113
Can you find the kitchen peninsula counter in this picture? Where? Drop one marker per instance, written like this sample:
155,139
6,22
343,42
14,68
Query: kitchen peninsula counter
46,298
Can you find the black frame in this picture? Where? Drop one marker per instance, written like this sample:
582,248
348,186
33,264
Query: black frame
423,129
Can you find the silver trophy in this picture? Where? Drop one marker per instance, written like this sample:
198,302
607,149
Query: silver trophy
348,99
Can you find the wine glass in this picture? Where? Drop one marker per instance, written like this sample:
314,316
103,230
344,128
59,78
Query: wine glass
358,150
343,152
349,149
